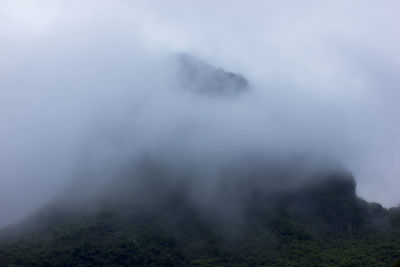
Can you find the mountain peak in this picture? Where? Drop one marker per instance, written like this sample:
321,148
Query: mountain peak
200,77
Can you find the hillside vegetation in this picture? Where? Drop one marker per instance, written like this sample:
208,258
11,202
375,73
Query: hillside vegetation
320,223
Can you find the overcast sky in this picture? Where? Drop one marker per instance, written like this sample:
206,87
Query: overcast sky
324,78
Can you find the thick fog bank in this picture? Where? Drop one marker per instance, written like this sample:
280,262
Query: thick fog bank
89,88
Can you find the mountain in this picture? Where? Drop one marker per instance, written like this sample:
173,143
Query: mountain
171,209
148,220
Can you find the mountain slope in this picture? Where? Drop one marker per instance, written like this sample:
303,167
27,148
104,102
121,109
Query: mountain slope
322,222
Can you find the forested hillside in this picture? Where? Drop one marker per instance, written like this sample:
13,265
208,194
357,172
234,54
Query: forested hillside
322,223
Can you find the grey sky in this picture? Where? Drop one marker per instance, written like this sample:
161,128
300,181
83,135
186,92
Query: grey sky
324,77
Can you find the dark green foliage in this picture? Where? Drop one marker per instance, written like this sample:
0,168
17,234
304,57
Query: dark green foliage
320,224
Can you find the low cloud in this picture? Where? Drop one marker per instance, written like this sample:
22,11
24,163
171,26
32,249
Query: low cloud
87,88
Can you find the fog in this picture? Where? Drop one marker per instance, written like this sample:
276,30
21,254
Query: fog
88,87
